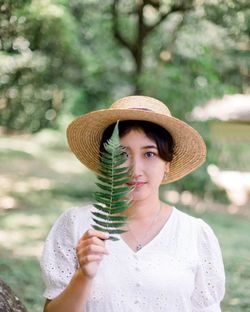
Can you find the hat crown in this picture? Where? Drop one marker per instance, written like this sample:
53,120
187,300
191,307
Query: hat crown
144,103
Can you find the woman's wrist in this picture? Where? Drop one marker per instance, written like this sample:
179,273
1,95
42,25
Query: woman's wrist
83,277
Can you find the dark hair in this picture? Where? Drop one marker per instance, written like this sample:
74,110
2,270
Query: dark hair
159,135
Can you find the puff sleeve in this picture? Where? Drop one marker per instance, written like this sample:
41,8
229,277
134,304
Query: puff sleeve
210,277
59,260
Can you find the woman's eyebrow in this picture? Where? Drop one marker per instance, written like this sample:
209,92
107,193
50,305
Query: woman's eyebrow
149,146
143,147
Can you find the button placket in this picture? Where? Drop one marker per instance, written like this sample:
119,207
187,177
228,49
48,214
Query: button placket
136,263
138,283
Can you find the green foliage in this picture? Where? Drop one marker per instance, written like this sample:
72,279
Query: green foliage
61,56
113,195
39,57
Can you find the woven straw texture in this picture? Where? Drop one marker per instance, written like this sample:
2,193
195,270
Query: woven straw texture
85,132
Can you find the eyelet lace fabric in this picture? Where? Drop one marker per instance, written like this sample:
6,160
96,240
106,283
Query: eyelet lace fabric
180,270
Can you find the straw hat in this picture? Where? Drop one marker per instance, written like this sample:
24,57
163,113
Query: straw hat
85,132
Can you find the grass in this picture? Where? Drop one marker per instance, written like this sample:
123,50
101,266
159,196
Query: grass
40,180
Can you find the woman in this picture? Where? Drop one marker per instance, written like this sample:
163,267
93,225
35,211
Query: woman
167,260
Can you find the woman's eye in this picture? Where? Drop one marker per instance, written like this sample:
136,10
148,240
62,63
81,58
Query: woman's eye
149,154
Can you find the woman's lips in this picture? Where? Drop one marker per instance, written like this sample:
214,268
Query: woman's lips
136,184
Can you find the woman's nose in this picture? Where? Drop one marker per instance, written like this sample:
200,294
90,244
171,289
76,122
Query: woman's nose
136,165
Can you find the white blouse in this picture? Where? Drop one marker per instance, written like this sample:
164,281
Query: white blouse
180,270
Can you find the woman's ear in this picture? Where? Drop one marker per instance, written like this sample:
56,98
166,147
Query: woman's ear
166,171
167,167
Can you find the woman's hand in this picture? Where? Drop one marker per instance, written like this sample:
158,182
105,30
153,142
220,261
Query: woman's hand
90,251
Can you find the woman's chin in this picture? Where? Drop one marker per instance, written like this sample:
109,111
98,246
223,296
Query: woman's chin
138,195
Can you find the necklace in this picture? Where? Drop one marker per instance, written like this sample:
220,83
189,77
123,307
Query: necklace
139,243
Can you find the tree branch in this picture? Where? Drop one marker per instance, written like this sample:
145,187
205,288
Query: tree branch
177,29
116,30
175,32
173,9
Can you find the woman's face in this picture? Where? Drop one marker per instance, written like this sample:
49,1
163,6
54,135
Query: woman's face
147,167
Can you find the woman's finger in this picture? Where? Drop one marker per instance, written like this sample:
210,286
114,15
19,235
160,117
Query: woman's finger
84,260
92,249
91,241
94,233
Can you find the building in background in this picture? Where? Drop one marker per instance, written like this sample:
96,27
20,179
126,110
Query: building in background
229,123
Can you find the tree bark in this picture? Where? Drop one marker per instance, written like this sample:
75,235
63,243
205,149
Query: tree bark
9,302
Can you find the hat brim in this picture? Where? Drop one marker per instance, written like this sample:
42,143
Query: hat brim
84,136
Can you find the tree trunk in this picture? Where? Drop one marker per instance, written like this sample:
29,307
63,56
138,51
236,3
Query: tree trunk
136,47
9,302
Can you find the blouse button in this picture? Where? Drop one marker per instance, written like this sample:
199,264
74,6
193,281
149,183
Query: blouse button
138,284
137,269
136,302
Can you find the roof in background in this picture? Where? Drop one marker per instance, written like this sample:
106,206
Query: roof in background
230,107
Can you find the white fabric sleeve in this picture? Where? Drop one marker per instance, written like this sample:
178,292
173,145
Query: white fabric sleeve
210,277
59,260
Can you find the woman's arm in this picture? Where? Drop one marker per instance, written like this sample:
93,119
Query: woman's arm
90,251
74,297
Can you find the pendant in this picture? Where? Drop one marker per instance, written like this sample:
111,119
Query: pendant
138,247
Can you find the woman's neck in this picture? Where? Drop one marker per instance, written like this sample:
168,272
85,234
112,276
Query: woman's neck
143,209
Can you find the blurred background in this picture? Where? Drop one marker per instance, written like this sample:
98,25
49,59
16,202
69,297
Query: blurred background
60,59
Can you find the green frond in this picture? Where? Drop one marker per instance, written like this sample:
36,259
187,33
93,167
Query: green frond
107,224
118,209
120,204
121,189
99,207
105,187
103,197
114,209
117,162
102,200
106,181
110,231
107,199
109,188
114,173
113,194
121,182
107,156
121,195
111,217
113,238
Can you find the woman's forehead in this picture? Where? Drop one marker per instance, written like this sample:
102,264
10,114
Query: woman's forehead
138,136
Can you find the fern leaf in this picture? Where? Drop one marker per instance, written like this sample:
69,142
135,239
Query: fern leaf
111,231
109,224
111,217
114,173
113,192
117,207
115,210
